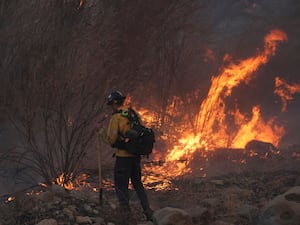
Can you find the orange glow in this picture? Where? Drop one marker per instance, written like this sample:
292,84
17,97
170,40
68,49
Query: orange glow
285,91
148,118
80,3
215,126
257,129
71,183
43,185
9,199
209,55
212,128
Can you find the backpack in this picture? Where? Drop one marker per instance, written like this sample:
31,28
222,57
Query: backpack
139,139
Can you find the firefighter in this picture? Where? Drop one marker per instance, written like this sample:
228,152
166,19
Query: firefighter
127,165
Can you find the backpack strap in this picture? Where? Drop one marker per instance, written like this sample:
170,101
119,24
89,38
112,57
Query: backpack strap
120,140
133,117
118,111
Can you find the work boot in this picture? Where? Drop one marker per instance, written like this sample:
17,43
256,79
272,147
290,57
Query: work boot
150,217
149,214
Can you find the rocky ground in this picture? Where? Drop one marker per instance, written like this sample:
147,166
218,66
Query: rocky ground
265,192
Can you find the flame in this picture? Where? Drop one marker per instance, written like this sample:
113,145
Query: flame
43,185
285,91
10,199
257,129
216,126
212,112
69,182
80,4
212,128
148,117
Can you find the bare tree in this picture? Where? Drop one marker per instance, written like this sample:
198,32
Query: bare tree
53,93
176,29
60,58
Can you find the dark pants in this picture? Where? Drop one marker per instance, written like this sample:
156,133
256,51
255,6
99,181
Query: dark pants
129,168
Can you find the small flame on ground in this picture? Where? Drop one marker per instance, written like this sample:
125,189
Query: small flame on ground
43,185
9,199
80,4
70,183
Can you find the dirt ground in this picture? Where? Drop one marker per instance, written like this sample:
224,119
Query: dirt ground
233,187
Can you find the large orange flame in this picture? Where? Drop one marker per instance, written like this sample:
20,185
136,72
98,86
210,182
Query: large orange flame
212,129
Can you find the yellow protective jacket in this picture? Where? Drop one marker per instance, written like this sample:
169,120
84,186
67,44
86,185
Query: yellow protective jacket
118,124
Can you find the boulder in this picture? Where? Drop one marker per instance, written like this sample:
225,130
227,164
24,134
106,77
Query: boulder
58,190
248,211
219,222
199,214
174,216
283,209
83,220
48,222
260,147
68,213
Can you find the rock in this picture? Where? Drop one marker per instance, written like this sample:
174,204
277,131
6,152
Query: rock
48,222
219,222
146,223
95,211
50,206
297,181
248,211
217,182
46,196
174,216
198,180
260,147
235,192
64,203
19,200
83,220
283,209
64,223
211,202
199,214
68,213
57,200
99,220
85,194
29,203
88,208
59,190
74,209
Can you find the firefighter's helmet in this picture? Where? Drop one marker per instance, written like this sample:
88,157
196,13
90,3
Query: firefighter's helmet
115,97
